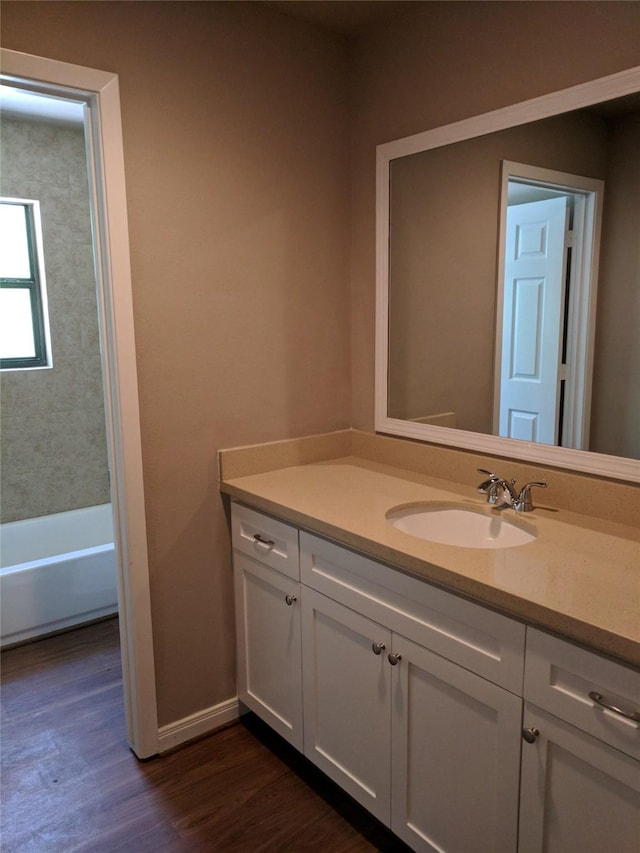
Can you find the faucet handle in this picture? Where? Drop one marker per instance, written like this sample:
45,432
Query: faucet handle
489,473
485,484
524,498
489,487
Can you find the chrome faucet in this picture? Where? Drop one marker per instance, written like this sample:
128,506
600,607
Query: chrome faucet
491,487
497,487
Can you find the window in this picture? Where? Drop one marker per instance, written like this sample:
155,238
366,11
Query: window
23,318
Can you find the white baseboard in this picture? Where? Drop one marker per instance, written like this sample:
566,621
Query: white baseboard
198,724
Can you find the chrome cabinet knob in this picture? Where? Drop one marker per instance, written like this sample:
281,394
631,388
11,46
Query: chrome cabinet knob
530,734
394,658
377,648
290,599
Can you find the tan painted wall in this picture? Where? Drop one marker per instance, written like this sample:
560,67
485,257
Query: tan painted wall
615,420
442,62
235,123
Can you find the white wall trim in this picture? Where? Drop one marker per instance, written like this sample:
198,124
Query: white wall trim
198,724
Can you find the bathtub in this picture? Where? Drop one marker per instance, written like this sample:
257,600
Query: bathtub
56,571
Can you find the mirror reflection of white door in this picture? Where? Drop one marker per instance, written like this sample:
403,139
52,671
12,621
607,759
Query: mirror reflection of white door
534,286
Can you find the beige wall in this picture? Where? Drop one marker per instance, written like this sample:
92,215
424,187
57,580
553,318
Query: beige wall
236,134
53,447
615,421
235,123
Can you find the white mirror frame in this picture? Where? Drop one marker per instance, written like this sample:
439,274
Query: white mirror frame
586,94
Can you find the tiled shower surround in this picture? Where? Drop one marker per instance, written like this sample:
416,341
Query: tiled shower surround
52,428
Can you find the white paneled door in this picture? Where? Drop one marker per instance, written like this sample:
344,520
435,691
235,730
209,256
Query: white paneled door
534,288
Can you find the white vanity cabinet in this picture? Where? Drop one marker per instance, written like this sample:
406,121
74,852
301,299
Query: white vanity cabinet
580,764
267,609
411,699
429,747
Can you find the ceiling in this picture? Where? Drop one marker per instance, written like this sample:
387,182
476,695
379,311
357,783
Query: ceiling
348,17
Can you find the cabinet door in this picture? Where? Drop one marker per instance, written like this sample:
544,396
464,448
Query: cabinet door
455,756
346,700
269,648
578,795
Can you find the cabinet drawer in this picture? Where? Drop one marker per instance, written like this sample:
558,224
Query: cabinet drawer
473,636
559,678
264,538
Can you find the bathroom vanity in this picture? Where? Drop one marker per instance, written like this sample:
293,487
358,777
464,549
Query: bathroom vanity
471,699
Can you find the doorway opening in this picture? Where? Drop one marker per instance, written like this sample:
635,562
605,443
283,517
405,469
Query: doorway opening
97,94
58,561
545,320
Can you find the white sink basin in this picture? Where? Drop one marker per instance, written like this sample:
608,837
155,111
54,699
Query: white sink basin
461,526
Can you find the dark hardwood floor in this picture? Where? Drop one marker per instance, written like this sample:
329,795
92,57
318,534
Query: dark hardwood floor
70,782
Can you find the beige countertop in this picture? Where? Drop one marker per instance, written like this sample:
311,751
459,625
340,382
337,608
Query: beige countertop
580,577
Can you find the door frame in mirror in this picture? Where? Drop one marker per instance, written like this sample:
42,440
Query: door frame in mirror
586,94
587,222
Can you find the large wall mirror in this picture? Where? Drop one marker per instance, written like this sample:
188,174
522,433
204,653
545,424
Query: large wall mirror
508,281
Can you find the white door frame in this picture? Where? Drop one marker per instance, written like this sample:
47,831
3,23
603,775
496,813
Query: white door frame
587,227
99,90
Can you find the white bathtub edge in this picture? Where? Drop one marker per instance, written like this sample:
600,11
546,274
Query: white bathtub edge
33,539
66,591
56,558
198,724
